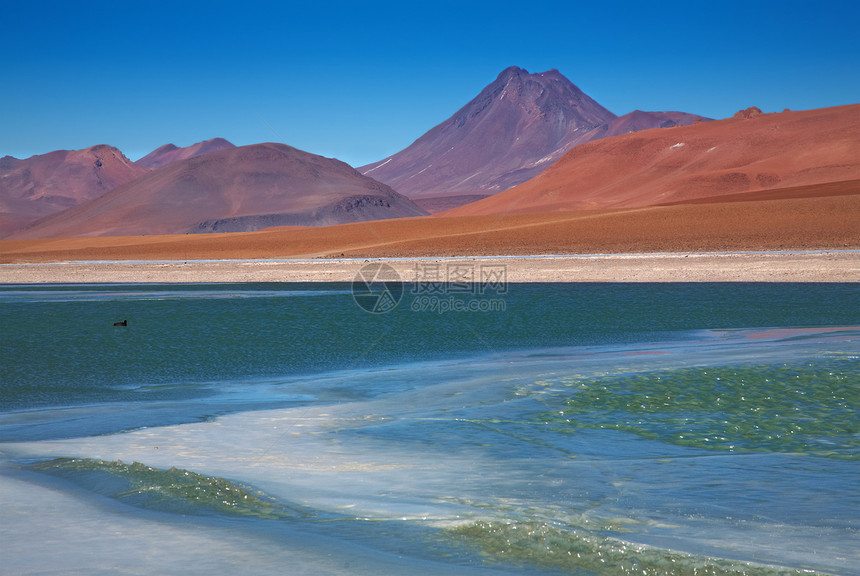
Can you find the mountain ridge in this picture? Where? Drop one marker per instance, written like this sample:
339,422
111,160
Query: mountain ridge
168,153
235,189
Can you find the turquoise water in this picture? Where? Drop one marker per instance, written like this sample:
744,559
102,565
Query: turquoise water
574,429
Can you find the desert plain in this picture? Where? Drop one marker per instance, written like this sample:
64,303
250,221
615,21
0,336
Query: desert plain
807,233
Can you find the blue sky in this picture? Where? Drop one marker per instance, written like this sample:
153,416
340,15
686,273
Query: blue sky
361,80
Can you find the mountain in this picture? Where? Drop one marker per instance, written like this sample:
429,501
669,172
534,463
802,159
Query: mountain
516,127
170,153
639,120
232,190
513,129
42,185
707,160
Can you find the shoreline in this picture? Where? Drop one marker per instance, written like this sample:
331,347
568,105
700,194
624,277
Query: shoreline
740,266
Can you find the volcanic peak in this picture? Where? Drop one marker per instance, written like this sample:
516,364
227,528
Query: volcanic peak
515,127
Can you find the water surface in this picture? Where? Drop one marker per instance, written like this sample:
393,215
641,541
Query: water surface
582,429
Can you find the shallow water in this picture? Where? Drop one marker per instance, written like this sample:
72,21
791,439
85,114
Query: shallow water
584,429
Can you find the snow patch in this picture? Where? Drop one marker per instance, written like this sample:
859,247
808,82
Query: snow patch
417,173
375,167
469,178
546,158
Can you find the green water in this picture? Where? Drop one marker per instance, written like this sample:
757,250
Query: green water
588,553
59,345
806,408
175,490
586,429
584,546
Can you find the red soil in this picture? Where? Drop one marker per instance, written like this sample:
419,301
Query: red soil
691,163
807,218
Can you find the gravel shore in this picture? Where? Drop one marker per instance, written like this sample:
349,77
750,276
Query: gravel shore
812,266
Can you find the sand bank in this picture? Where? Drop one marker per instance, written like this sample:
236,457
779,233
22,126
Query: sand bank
813,266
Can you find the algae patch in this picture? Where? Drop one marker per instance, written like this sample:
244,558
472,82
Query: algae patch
579,551
809,408
173,490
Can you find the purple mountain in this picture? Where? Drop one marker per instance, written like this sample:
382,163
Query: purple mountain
515,128
170,153
36,187
232,190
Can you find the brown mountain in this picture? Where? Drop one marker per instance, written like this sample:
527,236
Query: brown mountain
741,155
232,190
515,128
168,153
42,185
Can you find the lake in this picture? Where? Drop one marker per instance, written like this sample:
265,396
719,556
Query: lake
430,428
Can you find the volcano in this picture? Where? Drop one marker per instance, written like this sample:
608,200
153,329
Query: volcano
514,129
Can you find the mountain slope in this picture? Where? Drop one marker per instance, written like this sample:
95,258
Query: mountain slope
45,184
511,131
688,163
639,120
168,153
515,128
233,190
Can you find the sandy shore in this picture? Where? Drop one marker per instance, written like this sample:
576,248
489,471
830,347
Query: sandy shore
813,266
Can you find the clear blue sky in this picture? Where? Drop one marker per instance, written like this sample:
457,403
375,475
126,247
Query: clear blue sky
361,80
